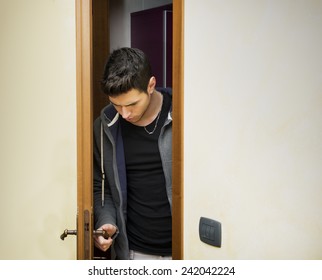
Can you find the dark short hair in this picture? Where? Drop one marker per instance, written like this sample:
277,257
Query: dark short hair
126,69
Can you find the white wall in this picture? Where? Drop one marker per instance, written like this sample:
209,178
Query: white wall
120,19
38,129
253,127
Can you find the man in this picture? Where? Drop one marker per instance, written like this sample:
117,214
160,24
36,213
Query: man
133,161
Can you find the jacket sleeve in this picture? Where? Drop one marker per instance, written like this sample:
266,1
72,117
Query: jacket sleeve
104,213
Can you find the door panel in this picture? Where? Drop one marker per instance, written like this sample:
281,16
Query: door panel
84,128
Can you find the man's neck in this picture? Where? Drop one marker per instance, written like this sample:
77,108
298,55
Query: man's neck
153,109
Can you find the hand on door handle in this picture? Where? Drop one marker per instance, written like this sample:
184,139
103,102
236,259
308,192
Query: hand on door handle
74,232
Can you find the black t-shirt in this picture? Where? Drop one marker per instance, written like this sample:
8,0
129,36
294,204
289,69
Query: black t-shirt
149,221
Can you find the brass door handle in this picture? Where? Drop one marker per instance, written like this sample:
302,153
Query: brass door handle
98,232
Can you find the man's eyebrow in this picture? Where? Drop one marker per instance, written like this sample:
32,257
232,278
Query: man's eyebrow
131,104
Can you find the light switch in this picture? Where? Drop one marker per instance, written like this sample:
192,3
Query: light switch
210,231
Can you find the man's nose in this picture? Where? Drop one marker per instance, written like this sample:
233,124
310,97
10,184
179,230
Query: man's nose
125,113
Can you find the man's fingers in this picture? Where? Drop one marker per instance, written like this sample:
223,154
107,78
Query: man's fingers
102,243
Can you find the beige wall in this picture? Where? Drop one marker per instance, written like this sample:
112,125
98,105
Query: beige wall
254,70
253,127
38,129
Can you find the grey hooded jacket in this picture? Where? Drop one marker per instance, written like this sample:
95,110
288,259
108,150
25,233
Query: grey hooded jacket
109,173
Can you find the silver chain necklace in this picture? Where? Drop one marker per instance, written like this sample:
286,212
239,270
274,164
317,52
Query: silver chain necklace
155,126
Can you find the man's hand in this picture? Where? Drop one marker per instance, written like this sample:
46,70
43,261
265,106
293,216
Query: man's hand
103,243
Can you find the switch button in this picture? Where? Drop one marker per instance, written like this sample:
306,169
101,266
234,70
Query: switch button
210,232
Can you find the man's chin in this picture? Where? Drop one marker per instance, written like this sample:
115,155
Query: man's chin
132,120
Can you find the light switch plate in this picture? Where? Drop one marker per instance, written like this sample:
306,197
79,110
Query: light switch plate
210,231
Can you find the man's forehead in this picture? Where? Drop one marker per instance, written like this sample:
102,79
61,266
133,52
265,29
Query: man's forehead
126,99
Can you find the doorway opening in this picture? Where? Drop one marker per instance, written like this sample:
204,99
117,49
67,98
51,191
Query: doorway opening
93,46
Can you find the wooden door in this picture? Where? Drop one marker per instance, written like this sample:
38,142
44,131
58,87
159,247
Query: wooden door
91,47
84,89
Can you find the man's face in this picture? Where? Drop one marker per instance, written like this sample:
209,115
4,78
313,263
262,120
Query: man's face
131,105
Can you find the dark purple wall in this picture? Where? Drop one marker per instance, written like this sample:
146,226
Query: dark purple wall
147,34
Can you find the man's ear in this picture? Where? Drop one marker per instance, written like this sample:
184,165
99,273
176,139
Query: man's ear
151,85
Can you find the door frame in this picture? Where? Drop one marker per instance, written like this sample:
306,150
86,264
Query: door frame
84,100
